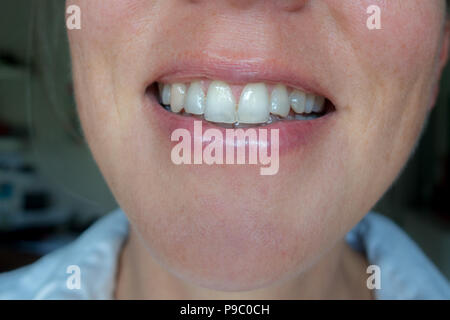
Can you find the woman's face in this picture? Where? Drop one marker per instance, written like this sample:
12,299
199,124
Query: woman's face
227,226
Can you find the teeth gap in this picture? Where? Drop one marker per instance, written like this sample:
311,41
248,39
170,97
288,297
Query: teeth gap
328,107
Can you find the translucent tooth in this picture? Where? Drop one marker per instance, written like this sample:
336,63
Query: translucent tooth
305,116
195,99
177,97
165,94
319,103
309,103
254,104
279,100
298,101
220,103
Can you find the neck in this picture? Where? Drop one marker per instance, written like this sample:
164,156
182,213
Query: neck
339,274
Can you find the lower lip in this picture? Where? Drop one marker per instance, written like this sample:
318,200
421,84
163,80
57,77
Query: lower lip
293,134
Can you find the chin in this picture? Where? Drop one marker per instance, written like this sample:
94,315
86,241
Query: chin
231,246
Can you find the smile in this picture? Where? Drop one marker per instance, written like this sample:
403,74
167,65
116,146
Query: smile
253,104
241,95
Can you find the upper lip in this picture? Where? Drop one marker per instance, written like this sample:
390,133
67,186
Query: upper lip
239,71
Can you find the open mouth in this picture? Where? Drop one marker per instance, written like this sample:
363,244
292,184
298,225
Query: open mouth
240,106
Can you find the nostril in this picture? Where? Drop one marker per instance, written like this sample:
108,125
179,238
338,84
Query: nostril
291,5
242,4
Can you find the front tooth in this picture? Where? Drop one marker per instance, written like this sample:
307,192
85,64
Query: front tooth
220,103
165,95
298,101
254,104
195,99
319,102
177,97
280,101
309,103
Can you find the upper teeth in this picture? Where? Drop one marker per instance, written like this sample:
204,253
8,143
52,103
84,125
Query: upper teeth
255,104
220,103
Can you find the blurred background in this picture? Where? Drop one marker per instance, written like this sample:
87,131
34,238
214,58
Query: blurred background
51,190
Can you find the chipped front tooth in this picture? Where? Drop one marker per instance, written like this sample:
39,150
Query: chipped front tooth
279,100
220,103
254,104
177,97
298,101
195,99
165,95
309,102
319,103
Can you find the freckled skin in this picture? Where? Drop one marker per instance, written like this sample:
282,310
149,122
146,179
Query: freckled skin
227,227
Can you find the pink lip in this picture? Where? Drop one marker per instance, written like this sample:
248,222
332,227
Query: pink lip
293,135
238,71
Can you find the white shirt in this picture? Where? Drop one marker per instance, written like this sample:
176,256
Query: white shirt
405,271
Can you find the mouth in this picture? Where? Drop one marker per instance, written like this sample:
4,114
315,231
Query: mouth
252,95
239,106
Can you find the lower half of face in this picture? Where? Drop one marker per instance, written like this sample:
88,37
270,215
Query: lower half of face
341,107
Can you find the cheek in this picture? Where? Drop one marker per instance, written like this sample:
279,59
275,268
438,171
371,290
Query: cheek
106,21
407,36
